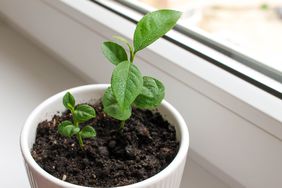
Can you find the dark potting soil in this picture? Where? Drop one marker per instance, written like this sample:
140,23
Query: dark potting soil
145,146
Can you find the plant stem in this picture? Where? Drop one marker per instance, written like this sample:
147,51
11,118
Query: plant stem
121,126
79,138
132,55
73,118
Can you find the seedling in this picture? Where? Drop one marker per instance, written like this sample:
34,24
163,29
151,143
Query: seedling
128,86
80,114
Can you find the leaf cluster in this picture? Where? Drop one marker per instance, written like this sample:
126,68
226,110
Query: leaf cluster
128,86
80,114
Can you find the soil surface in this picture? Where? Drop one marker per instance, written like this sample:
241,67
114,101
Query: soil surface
145,146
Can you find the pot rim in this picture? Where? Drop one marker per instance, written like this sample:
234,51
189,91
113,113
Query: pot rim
181,154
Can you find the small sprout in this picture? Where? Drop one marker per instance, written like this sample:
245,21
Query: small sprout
128,86
80,114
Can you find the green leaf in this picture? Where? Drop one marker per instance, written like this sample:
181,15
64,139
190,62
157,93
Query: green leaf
84,112
153,26
114,52
75,130
69,101
126,83
112,108
152,94
66,128
88,132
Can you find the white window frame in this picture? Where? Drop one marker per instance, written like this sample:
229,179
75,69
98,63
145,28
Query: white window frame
252,116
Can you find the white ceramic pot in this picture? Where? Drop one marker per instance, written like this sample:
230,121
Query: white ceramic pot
170,177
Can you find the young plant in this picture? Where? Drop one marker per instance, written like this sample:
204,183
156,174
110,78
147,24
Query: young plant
80,114
128,86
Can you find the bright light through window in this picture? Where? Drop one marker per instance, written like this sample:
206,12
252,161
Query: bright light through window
252,27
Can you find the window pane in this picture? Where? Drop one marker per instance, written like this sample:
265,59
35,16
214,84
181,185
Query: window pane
252,28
